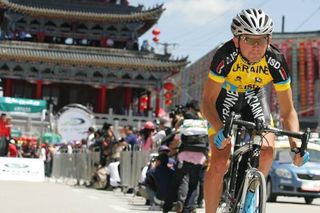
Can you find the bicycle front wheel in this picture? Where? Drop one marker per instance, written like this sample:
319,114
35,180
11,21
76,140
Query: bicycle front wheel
253,199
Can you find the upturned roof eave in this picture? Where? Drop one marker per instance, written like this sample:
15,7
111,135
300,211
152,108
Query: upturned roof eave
79,56
151,14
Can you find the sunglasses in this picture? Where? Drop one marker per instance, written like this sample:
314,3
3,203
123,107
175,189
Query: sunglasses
252,41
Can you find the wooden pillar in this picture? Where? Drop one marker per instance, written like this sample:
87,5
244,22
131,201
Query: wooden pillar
8,87
157,109
40,36
39,89
128,97
149,100
103,41
102,99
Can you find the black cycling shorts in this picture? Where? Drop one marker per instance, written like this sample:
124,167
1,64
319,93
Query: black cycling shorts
250,105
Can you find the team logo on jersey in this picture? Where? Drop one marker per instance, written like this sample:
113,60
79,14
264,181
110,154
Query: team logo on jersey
258,80
238,78
220,67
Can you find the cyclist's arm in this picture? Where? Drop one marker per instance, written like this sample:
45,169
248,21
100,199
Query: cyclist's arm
211,92
288,113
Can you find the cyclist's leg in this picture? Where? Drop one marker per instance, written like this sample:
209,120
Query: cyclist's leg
213,184
266,155
214,176
257,107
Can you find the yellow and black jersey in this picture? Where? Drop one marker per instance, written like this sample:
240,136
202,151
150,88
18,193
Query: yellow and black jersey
229,68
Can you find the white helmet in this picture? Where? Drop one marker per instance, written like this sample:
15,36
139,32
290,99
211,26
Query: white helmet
252,22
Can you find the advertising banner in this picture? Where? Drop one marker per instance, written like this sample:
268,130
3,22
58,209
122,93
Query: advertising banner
302,78
22,107
73,122
310,79
21,169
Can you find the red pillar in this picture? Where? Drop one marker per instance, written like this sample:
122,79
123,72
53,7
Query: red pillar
39,89
102,99
128,96
40,36
157,102
8,87
103,41
149,100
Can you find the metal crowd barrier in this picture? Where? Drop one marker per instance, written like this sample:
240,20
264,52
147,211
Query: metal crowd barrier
79,165
131,165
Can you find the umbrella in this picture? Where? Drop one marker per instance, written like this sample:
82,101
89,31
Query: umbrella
51,138
16,133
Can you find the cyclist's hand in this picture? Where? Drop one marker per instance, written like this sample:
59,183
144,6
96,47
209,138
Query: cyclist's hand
300,161
220,141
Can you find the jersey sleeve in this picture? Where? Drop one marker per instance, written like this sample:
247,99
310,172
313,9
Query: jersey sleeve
280,72
217,70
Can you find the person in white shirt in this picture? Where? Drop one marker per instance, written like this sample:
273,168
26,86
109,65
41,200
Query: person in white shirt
113,173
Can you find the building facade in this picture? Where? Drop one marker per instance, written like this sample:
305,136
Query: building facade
85,52
302,52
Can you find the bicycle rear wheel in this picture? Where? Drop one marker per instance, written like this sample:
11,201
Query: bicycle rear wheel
253,199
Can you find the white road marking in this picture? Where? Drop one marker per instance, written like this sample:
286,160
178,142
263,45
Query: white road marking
119,208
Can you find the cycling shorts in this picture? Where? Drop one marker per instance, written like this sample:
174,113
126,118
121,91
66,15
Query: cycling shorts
251,105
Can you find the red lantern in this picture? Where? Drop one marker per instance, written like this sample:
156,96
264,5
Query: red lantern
156,39
168,102
156,31
144,99
168,86
168,95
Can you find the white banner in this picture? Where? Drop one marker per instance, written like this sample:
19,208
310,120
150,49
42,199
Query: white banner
21,169
74,123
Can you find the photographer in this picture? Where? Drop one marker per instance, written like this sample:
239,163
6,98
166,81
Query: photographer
191,157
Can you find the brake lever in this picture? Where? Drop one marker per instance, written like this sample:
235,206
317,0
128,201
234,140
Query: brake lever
304,141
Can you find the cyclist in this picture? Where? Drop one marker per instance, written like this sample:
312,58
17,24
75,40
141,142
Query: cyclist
239,71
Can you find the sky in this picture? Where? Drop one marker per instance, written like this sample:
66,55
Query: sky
195,27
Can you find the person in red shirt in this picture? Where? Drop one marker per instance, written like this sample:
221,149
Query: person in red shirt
12,149
3,135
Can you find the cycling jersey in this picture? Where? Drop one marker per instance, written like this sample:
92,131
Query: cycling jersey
229,68
243,83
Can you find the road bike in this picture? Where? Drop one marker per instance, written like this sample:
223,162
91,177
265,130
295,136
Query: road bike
244,186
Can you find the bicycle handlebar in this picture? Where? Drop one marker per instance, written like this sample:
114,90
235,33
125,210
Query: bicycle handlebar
261,127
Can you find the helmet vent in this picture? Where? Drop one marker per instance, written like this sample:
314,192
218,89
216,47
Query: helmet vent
245,20
237,23
253,22
248,30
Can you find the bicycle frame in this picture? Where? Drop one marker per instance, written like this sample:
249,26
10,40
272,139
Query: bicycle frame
234,195
234,183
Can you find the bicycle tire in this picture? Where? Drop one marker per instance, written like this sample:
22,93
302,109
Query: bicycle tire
257,183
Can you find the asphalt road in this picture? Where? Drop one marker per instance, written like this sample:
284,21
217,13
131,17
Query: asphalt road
52,197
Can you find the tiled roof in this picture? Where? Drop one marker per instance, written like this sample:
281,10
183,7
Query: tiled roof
107,57
82,11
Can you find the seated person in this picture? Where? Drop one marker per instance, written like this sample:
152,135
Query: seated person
158,180
99,178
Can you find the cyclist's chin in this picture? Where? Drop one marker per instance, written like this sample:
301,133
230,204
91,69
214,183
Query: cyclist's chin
254,59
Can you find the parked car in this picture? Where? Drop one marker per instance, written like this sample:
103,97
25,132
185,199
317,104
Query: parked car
285,179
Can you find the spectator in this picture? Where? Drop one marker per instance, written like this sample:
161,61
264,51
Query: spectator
158,181
3,135
146,133
163,131
130,137
12,150
191,158
90,138
113,174
99,177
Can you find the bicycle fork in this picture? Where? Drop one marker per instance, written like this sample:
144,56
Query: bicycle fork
250,185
